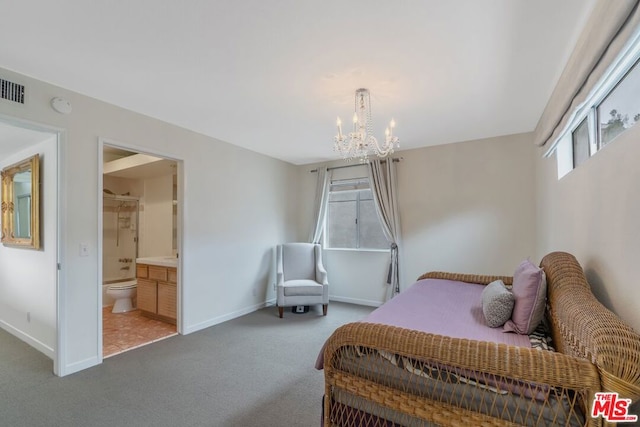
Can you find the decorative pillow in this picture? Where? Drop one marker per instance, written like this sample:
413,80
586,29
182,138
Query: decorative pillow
497,303
530,291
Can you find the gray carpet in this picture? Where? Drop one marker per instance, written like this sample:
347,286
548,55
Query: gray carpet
256,370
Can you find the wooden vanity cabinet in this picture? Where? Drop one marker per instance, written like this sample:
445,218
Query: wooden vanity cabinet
147,295
157,292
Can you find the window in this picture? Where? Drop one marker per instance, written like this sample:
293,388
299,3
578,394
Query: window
352,220
621,108
580,138
613,109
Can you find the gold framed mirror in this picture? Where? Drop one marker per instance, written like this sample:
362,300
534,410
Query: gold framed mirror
21,204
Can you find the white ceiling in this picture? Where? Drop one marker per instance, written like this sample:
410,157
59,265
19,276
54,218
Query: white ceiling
272,76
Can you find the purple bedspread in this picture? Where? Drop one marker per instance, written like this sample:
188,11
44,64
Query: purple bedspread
442,307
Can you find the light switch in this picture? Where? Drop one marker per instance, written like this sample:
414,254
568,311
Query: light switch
84,249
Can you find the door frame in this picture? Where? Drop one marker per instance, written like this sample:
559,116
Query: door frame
59,350
102,142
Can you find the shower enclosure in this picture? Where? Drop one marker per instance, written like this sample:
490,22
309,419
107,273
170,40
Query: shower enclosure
119,238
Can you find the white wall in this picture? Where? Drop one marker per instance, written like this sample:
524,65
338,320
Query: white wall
27,276
237,206
465,207
468,207
357,277
594,213
156,212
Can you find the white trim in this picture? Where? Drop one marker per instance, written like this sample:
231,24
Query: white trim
58,354
180,199
137,148
60,361
228,316
616,71
100,256
592,124
356,250
33,342
357,301
81,365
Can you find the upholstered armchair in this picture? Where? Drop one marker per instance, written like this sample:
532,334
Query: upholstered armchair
301,277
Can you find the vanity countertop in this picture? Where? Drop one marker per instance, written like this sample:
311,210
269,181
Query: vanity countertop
163,261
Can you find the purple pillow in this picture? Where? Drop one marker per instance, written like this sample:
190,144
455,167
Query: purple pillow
529,291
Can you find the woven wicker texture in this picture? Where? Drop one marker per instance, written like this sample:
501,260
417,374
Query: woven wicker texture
583,327
380,375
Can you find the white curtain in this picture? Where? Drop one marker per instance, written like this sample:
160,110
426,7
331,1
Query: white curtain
320,204
382,177
612,26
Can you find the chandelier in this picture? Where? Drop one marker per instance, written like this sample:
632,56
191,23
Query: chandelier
361,143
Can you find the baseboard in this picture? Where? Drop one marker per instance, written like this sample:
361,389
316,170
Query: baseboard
268,303
226,317
357,301
33,342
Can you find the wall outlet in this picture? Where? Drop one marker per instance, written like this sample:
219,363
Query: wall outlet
299,308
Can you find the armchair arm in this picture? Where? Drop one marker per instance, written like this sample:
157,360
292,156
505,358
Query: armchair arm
321,273
279,267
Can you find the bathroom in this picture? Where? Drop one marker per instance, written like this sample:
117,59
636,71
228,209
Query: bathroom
139,222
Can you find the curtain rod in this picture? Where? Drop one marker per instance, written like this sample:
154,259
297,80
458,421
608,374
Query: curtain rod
395,160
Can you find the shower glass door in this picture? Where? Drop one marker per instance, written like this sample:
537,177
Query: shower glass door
119,238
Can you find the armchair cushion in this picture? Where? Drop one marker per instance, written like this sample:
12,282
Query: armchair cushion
302,288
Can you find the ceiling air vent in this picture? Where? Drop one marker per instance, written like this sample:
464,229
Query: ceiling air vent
11,91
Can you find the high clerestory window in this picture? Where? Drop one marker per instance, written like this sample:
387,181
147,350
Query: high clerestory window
613,111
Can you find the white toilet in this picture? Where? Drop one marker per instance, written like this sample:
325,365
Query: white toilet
122,293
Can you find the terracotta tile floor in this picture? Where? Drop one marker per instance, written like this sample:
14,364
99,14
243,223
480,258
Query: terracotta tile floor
126,331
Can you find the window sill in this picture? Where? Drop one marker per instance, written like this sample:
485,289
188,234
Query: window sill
355,250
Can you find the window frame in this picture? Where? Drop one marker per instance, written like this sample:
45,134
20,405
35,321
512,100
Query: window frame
589,110
361,184
634,68
575,142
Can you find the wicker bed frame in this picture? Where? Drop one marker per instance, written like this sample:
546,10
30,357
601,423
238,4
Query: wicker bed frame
596,351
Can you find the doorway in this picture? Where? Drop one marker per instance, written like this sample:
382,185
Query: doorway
29,297
139,230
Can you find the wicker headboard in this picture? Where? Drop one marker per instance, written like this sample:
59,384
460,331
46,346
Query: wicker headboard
583,327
